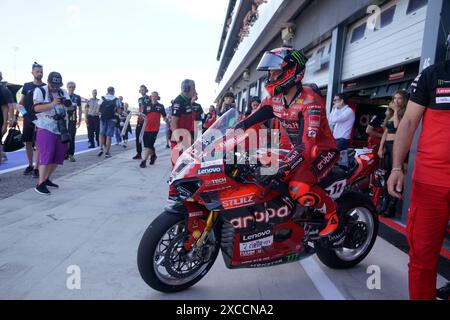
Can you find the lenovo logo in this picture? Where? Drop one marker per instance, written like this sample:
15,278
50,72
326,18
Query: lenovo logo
217,169
256,235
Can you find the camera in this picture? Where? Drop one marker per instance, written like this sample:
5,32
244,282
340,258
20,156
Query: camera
62,127
65,102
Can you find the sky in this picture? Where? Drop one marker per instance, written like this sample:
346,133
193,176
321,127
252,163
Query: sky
119,43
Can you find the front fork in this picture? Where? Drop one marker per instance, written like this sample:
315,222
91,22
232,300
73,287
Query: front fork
198,231
209,226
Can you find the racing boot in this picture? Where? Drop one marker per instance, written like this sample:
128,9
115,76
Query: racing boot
332,223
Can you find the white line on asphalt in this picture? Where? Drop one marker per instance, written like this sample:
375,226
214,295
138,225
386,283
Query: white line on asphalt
76,153
323,284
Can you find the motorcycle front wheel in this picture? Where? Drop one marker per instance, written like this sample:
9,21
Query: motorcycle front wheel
163,262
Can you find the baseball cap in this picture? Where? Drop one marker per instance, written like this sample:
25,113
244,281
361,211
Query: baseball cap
55,79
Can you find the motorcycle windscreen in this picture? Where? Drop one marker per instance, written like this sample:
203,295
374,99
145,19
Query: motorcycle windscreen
208,149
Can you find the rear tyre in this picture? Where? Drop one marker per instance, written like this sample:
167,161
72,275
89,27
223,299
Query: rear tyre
360,237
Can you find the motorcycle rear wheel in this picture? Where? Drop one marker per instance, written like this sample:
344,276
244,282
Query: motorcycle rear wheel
161,259
345,258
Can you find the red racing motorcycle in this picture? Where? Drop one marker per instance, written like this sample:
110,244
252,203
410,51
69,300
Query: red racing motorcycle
224,207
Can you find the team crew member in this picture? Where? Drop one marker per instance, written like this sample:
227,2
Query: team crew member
142,102
29,129
74,119
429,210
182,124
301,111
153,111
92,114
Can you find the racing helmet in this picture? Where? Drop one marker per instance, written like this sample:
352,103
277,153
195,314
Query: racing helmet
291,62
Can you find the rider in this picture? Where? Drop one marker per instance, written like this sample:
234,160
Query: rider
302,115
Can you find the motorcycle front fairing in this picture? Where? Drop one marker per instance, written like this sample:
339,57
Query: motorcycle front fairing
257,227
203,172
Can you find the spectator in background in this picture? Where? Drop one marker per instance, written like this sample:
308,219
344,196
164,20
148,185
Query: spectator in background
143,101
92,114
154,111
6,113
124,116
211,117
48,104
29,129
168,124
227,104
394,115
197,113
375,132
108,111
119,125
253,104
342,119
75,114
118,130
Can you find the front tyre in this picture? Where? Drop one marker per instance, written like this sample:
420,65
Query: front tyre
163,262
362,221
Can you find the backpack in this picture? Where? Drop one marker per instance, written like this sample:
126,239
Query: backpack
13,141
108,109
28,104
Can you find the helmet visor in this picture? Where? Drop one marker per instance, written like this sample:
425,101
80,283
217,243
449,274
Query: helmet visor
270,61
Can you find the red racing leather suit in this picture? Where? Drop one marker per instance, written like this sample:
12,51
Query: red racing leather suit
313,152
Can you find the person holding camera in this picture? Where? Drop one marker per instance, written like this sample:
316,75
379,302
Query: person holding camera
52,136
74,113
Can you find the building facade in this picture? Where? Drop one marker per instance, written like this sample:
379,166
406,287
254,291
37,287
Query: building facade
367,49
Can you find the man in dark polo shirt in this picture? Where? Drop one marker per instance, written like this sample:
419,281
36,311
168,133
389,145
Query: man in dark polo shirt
74,113
154,111
182,124
429,210
142,102
29,129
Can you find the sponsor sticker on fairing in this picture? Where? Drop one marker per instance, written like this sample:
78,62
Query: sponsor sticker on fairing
256,244
312,133
247,253
441,100
314,121
210,170
443,91
216,182
212,163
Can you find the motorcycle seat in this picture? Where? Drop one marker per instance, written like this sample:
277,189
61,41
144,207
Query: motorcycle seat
335,174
